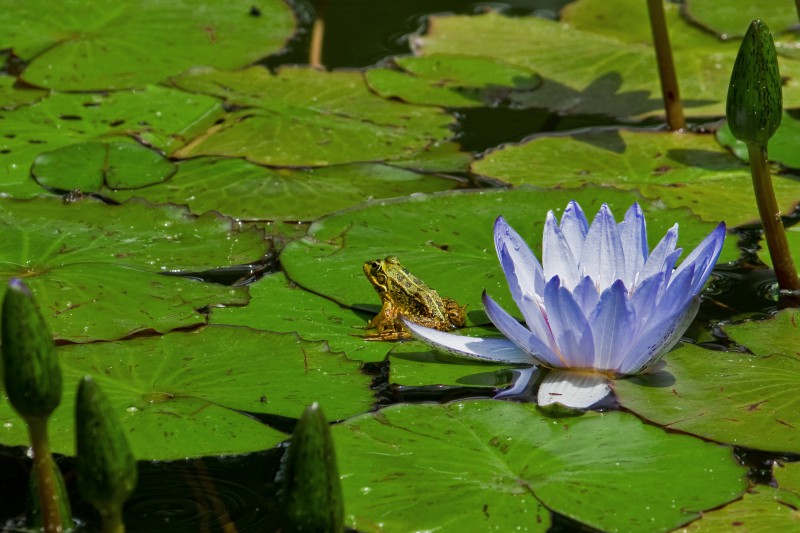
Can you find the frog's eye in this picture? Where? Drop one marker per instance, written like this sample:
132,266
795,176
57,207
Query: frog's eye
380,277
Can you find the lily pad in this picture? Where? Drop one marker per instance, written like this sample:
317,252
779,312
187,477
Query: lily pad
276,305
488,465
155,116
586,72
305,117
11,97
678,169
451,80
788,476
87,45
246,191
188,394
761,509
96,269
731,18
747,399
782,146
90,165
446,240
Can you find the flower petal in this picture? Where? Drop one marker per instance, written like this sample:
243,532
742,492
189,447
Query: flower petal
571,330
644,297
579,390
705,256
602,257
655,262
557,256
473,348
538,349
586,295
633,234
613,324
522,383
574,227
522,269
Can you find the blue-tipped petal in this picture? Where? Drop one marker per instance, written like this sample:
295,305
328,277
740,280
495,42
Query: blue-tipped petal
557,257
523,271
574,226
519,334
612,325
522,384
633,234
706,254
571,330
473,348
645,295
603,259
586,295
655,262
578,390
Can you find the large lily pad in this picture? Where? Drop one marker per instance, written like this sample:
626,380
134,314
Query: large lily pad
731,18
761,510
446,240
782,146
487,465
243,190
94,45
588,72
187,394
276,305
305,117
747,399
678,169
96,269
158,117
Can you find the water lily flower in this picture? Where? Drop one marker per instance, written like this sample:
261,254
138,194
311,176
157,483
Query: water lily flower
599,306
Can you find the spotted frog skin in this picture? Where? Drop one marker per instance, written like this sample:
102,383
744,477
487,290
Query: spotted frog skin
404,294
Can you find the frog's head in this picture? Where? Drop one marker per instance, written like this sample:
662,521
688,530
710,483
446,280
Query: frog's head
377,272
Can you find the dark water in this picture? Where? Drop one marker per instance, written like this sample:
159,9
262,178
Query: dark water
211,494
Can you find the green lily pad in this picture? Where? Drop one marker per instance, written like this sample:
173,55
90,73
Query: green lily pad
592,70
243,190
96,269
446,239
451,80
782,146
276,305
437,157
488,465
678,169
747,399
761,509
188,394
91,46
158,117
11,97
731,18
305,117
88,166
788,476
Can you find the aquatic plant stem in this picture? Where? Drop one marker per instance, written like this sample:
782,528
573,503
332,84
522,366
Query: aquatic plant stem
774,232
318,35
111,517
666,67
45,471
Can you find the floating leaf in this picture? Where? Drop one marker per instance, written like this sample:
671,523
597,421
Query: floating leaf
678,169
186,394
92,46
731,18
446,240
96,269
489,465
761,508
782,146
747,399
305,117
276,305
155,116
243,190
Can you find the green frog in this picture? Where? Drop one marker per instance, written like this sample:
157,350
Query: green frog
404,294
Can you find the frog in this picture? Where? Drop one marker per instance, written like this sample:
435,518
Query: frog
405,295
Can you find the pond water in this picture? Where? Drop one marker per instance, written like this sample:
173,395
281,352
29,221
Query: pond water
238,492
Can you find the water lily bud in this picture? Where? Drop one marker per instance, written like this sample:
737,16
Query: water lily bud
106,467
32,374
754,97
311,494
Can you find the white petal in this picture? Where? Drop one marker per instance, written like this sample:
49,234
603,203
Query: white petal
473,348
579,390
633,234
522,269
523,381
602,258
557,256
574,227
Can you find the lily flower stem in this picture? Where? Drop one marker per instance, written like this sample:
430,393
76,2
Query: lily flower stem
111,517
45,470
771,219
318,35
666,67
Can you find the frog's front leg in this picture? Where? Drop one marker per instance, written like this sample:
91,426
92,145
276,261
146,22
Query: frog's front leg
456,314
388,324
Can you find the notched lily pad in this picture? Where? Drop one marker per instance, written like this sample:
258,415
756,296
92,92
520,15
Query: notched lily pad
451,80
188,394
678,169
95,269
87,45
305,117
489,465
762,508
731,18
746,399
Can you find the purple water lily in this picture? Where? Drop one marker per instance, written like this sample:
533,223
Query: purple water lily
599,304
